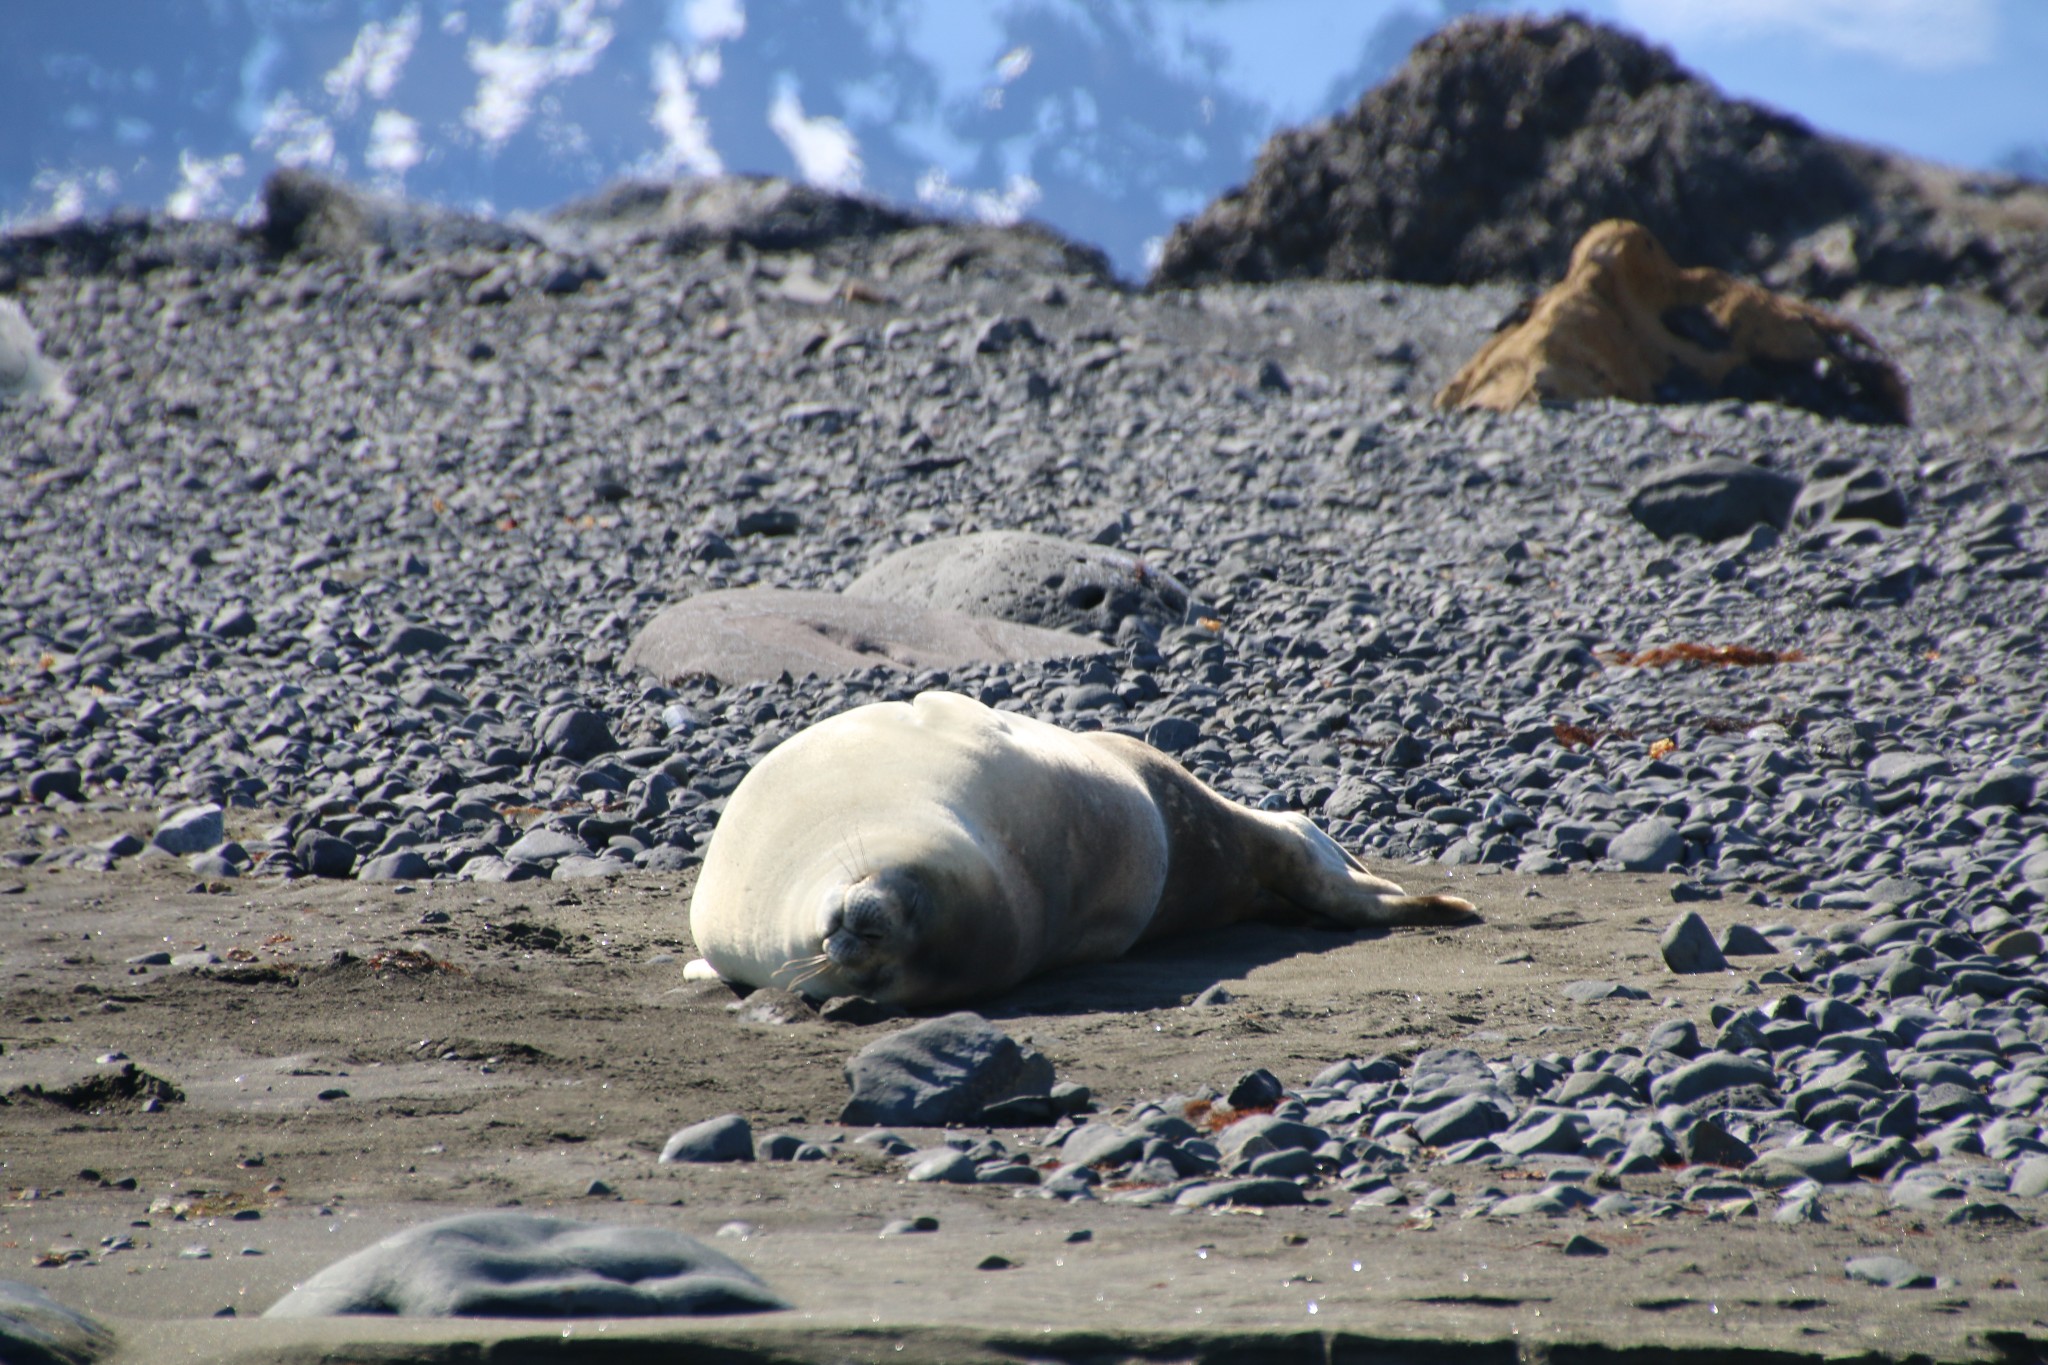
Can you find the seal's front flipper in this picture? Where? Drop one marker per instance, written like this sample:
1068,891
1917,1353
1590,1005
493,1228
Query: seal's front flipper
700,970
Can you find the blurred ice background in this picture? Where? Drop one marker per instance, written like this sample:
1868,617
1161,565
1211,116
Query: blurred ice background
1110,119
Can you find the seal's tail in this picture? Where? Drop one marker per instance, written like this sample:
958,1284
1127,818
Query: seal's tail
1425,910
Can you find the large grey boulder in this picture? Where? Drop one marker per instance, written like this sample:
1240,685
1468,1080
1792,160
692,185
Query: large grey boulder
751,634
37,1330
1031,579
1716,498
944,1070
519,1265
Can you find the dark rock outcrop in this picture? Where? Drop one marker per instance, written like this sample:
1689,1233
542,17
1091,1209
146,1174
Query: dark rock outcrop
317,216
1502,140
770,214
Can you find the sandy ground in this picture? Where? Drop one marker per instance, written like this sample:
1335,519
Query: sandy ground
347,1070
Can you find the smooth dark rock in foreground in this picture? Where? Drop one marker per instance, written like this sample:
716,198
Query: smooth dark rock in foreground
518,1265
945,1070
37,1330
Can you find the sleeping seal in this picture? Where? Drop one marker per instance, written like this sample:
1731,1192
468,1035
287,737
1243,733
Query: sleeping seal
935,851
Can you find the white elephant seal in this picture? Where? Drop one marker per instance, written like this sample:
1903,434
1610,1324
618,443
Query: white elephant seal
930,852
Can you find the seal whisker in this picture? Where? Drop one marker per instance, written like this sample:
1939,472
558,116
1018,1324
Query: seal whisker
818,966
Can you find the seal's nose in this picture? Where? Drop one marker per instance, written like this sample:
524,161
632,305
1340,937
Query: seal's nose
843,947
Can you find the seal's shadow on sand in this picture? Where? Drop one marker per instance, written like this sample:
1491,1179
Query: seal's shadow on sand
1167,974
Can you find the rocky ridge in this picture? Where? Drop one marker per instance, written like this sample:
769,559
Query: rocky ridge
1503,139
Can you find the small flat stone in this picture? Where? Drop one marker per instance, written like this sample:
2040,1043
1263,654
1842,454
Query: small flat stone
1823,1162
195,829
1889,1272
944,1070
544,844
1590,992
1689,948
1460,1121
1707,1143
1253,1193
2030,1177
906,1227
579,867
1710,1074
1540,1204
857,1011
1794,1212
1902,765
1652,844
1259,1089
2016,944
728,1137
1974,1213
943,1166
1740,940
324,855
402,866
1556,1135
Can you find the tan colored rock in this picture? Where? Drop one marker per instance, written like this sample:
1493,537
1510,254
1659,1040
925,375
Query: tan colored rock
1629,322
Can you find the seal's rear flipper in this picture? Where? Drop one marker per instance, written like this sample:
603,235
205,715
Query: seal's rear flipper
1427,910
